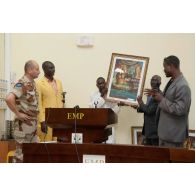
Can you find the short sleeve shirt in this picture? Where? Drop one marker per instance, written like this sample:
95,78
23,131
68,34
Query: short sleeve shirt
26,96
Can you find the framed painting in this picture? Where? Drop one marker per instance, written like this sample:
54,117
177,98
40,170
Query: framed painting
191,139
126,78
136,135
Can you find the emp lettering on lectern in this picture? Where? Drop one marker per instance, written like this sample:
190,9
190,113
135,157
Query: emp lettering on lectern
78,116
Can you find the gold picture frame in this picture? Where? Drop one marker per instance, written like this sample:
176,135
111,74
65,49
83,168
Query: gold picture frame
191,140
126,78
136,135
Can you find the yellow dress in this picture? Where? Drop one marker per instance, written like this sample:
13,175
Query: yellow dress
49,97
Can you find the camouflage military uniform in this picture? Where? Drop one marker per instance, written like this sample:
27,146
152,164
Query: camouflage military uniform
27,103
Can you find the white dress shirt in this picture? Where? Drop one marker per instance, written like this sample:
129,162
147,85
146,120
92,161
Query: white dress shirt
96,101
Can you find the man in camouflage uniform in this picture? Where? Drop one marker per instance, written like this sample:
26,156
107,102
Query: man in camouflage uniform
23,101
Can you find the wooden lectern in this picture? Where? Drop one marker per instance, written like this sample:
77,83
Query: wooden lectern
93,123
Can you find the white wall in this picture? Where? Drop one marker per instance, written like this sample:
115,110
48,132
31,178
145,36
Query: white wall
78,68
2,116
1,55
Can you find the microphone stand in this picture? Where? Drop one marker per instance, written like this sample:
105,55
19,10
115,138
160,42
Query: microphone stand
63,98
75,132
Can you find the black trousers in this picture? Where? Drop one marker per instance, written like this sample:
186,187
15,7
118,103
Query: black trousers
150,141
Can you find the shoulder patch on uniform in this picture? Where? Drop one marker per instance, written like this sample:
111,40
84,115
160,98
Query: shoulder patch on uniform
18,85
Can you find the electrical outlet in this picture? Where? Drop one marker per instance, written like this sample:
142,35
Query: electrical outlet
77,138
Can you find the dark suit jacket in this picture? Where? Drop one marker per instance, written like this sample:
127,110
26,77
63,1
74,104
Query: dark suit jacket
174,110
149,127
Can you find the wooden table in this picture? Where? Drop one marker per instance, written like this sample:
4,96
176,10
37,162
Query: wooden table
114,153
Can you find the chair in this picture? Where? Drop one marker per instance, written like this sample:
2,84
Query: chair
10,156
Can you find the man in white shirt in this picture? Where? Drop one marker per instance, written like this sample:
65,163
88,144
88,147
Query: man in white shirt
98,100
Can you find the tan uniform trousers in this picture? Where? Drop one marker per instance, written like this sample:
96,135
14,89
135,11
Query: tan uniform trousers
24,133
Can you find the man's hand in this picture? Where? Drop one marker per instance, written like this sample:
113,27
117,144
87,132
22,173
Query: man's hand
43,127
149,92
121,104
23,117
104,92
158,96
139,100
134,106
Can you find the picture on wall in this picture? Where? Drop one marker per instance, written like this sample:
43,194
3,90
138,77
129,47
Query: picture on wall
136,135
191,139
126,78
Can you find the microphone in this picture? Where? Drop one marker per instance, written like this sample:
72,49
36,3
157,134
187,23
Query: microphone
95,104
63,96
76,107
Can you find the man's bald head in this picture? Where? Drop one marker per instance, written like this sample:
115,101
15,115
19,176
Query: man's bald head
155,82
157,77
31,69
30,65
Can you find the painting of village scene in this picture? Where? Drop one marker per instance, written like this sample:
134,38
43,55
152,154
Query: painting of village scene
126,77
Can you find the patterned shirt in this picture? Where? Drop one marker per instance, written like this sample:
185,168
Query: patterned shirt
26,96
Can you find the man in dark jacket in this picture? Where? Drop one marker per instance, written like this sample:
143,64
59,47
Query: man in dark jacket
174,106
149,130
